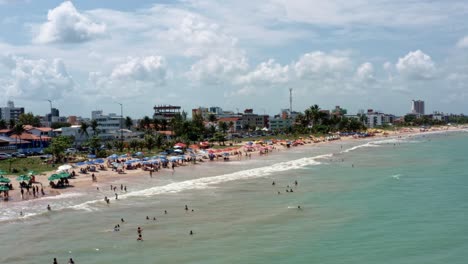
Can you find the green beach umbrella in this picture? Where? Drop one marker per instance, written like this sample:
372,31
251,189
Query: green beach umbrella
2,172
64,175
23,178
54,177
4,180
4,188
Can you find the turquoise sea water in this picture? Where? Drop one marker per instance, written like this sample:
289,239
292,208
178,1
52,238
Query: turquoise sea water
378,201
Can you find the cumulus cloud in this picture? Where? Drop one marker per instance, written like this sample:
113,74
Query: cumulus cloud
365,72
66,25
319,64
216,68
32,79
416,65
198,35
269,72
463,43
136,74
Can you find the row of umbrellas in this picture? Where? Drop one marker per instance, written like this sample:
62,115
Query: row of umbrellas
19,178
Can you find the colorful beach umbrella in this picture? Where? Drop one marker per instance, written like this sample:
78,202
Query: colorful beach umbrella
4,180
23,178
4,188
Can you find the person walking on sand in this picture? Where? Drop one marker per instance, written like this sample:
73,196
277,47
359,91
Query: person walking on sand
22,193
186,208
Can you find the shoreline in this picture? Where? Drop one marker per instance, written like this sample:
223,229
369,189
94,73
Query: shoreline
83,182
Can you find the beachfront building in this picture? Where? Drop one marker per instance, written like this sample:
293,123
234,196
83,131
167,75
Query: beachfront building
253,121
107,124
10,112
417,107
166,112
278,123
378,119
236,123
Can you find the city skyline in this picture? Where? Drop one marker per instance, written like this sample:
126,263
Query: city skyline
88,55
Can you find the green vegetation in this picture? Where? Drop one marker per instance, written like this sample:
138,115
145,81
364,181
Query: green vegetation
16,166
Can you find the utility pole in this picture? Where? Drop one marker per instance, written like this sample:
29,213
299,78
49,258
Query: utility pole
50,102
290,101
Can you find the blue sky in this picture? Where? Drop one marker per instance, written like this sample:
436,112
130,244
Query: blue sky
359,54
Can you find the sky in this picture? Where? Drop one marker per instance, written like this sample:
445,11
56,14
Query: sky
359,54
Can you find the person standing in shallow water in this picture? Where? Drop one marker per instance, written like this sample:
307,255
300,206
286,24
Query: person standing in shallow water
55,261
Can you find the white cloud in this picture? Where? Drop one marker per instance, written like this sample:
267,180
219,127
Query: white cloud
416,65
215,68
33,79
65,24
463,43
269,72
320,65
136,74
365,72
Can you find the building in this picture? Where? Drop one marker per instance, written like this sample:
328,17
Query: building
278,123
254,121
10,112
166,112
417,107
107,124
377,119
53,116
236,123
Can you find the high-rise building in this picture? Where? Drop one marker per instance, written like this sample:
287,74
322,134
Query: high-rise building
417,107
11,112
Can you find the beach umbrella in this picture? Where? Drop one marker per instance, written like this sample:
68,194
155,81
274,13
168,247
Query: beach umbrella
91,156
64,167
123,155
4,180
180,145
89,162
129,162
23,178
113,156
163,153
178,151
4,188
80,163
139,153
99,161
2,172
54,177
63,175
173,158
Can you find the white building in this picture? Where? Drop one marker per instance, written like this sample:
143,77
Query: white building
376,119
10,112
280,123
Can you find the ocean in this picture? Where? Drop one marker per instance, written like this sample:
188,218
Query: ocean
393,200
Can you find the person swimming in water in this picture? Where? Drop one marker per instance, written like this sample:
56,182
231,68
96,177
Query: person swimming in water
186,208
191,232
273,183
147,218
122,220
295,183
154,218
165,212
140,238
299,207
48,208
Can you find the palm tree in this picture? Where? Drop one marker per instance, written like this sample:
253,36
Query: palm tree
156,123
18,130
94,125
3,124
231,126
212,118
163,124
84,129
